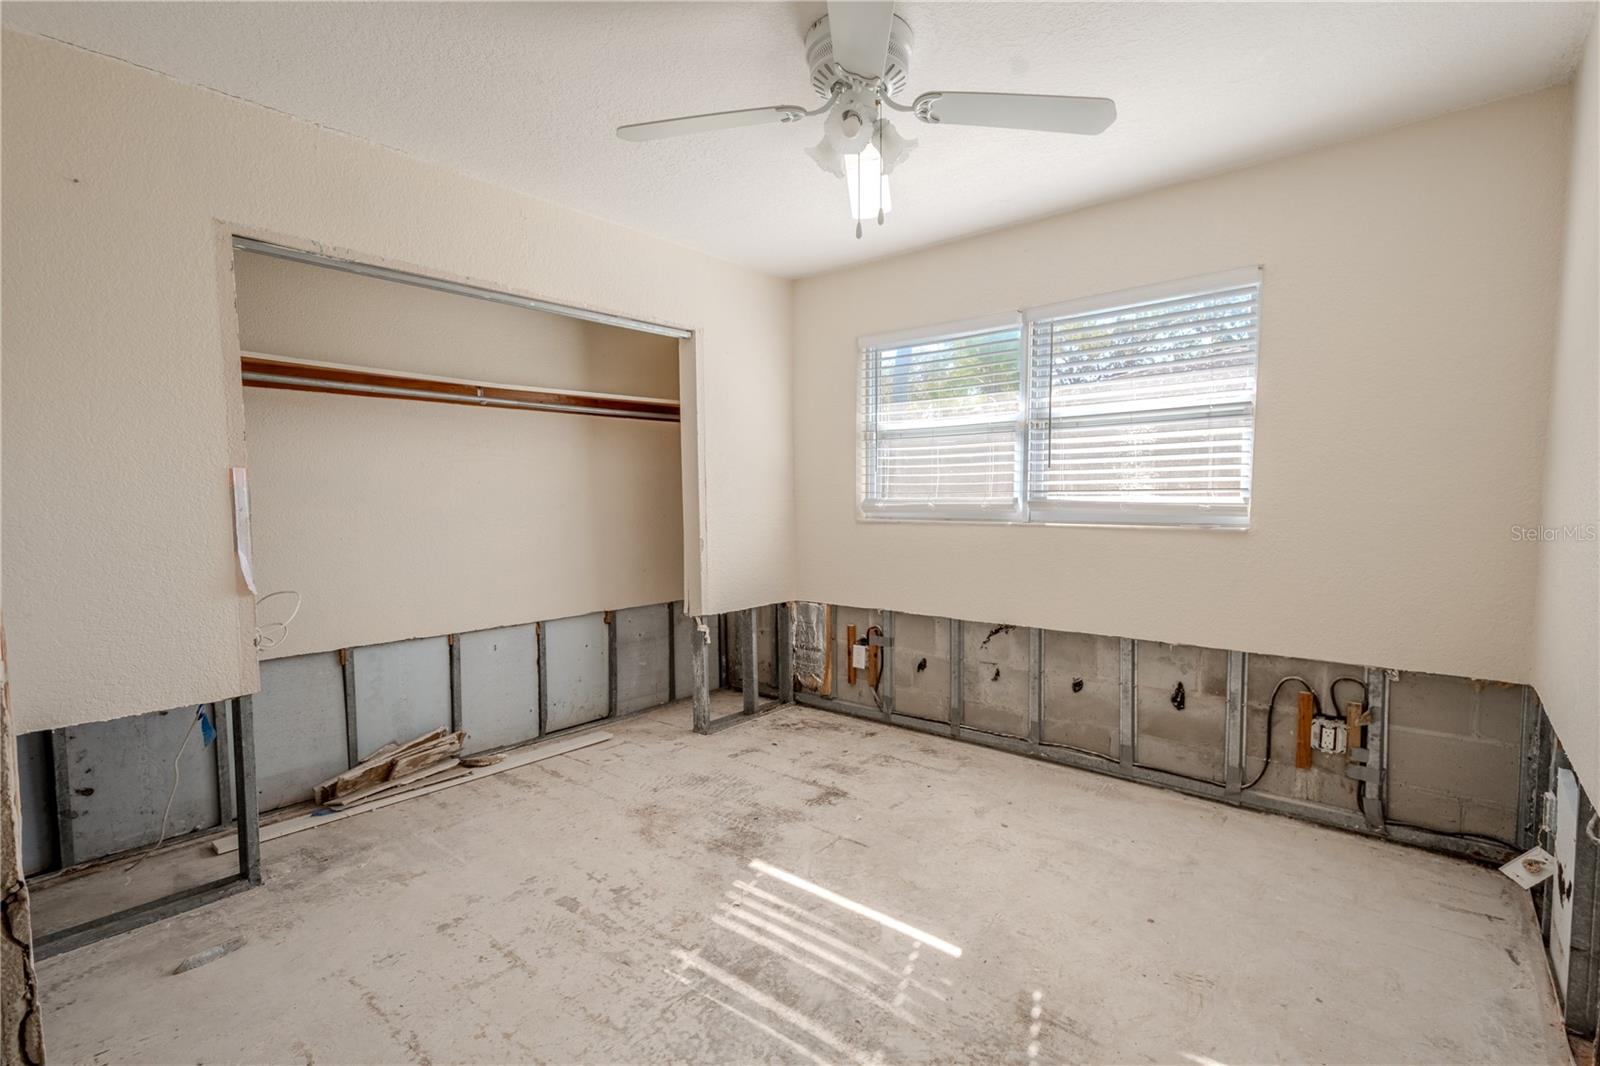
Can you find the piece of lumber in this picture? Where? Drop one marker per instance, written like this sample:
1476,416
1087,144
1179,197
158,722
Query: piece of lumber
425,776
374,768
412,761
522,757
850,655
1302,733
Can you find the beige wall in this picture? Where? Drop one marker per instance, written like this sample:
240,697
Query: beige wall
1407,322
397,519
1566,665
123,409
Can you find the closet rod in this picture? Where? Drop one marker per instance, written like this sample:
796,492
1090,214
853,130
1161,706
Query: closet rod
405,277
351,381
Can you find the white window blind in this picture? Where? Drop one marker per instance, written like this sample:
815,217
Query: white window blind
943,421
1142,404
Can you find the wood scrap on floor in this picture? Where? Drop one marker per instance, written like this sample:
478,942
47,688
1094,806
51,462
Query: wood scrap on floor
510,760
391,761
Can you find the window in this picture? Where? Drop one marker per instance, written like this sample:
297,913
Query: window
1140,409
943,422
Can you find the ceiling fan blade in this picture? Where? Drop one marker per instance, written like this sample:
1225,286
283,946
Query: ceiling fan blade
716,120
860,33
1018,111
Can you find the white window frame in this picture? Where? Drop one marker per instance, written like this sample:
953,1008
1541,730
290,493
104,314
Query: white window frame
870,509
1185,516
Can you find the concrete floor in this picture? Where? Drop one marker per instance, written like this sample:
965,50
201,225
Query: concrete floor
796,889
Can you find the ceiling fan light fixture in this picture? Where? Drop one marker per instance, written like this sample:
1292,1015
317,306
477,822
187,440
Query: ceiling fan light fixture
859,56
867,184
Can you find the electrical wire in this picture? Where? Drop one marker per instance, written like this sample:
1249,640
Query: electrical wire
177,774
279,630
877,697
1266,760
1333,697
267,636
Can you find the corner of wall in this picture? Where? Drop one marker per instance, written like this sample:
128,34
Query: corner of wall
1566,668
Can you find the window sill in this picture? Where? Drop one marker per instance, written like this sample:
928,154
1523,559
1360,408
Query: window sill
893,520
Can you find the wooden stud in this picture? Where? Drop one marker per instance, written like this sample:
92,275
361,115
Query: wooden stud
850,655
1302,736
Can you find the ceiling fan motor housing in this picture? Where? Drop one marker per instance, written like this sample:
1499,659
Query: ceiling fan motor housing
825,73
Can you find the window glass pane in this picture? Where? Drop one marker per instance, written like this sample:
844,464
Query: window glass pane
942,423
1145,409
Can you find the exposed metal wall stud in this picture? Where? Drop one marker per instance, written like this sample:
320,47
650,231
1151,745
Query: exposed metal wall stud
544,688
785,635
700,655
886,664
1035,686
66,839
1125,723
1530,772
957,704
749,661
1374,772
610,619
347,661
1233,727
222,747
454,643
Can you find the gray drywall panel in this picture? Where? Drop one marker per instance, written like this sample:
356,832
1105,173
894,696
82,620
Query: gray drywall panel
922,667
995,677
402,691
683,659
1325,782
119,774
577,685
643,658
36,784
299,727
499,686
1454,754
1187,741
861,692
1082,692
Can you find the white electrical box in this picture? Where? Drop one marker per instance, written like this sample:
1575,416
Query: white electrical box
858,656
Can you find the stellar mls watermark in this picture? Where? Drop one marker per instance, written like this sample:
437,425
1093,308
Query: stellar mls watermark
1581,532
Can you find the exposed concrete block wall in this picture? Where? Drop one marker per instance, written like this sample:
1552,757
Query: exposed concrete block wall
994,678
576,669
1186,740
402,691
921,663
499,678
114,776
1082,692
1455,765
1325,782
644,646
299,727
1455,754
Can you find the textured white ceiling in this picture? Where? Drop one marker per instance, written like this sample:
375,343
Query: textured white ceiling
527,95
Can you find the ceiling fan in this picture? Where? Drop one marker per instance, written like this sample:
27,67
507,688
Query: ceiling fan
859,53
